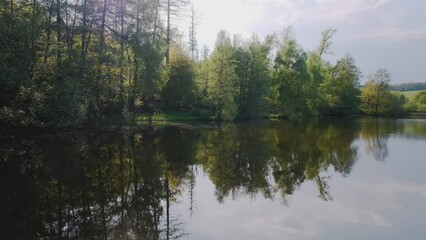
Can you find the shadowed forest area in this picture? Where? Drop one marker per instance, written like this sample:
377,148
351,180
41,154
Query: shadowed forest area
64,63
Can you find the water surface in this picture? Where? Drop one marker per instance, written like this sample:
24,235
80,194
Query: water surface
328,179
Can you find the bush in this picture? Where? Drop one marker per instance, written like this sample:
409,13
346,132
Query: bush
64,107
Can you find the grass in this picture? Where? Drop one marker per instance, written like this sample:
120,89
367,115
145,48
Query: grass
160,117
411,94
169,117
413,106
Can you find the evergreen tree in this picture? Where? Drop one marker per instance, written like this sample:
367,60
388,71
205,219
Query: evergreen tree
222,81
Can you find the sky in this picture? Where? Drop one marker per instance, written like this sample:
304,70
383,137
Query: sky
387,34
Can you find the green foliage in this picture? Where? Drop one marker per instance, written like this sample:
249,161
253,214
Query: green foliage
319,70
376,99
64,106
64,63
290,79
416,101
20,31
340,89
421,97
253,77
180,91
150,75
223,78
394,104
202,81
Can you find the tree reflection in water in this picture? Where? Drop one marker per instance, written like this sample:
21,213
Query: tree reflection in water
115,185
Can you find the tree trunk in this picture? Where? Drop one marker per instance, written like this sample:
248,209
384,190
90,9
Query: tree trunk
59,41
48,32
121,51
168,34
83,40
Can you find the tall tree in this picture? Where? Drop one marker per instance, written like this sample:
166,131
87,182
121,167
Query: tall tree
180,91
252,69
193,34
319,69
173,8
223,78
340,89
290,78
376,99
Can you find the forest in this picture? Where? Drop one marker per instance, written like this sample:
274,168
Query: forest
403,87
65,63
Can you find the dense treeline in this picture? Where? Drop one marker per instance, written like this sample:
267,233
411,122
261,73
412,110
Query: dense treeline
65,62
403,87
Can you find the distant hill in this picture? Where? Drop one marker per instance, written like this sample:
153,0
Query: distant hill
404,87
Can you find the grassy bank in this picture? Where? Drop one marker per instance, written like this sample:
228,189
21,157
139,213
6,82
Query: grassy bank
410,95
414,106
159,117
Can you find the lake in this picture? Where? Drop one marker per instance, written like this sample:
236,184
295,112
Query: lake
324,179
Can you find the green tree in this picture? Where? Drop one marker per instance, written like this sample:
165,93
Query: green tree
290,79
253,76
223,78
340,89
21,93
319,69
180,91
376,99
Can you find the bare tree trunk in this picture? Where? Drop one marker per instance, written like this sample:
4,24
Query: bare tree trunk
192,33
83,40
121,51
48,32
157,8
58,40
168,34
33,38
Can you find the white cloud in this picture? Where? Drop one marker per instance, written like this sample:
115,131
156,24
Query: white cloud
235,16
364,27
308,218
293,12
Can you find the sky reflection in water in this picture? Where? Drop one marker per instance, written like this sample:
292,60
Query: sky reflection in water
335,179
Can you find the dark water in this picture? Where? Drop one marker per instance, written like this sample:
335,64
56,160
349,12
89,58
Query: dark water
336,179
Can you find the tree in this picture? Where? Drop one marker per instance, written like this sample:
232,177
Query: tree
290,78
223,78
180,91
340,89
375,92
319,69
193,34
325,44
253,76
173,7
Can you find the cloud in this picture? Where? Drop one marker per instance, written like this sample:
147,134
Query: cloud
234,16
307,218
308,11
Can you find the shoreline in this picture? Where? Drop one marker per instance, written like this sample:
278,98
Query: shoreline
192,121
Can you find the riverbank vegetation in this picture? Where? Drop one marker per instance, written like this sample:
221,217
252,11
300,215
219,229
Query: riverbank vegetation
416,101
65,63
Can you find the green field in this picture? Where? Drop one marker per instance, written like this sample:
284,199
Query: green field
412,105
411,94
